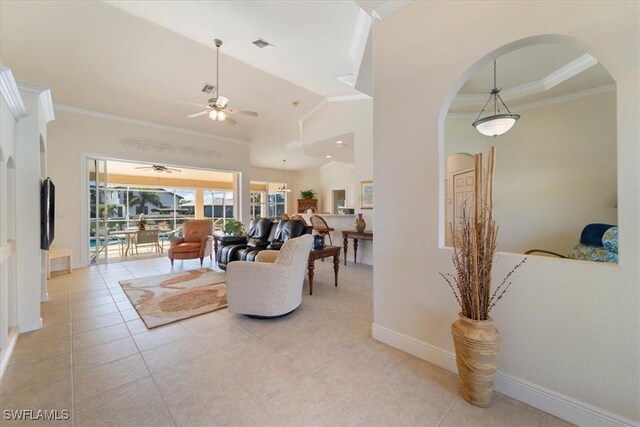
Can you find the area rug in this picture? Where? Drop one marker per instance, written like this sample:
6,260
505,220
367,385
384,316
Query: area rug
168,298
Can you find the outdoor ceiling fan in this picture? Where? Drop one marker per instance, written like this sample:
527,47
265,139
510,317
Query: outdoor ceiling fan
216,107
158,168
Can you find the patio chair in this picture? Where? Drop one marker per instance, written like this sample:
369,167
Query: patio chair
148,237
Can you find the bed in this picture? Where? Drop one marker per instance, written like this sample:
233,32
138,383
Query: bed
598,243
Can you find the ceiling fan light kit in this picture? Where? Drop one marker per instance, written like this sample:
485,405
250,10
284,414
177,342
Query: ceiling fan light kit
217,115
498,123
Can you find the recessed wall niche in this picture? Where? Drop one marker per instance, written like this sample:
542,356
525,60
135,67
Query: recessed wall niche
556,169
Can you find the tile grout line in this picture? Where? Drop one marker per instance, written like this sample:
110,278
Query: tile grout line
447,411
153,379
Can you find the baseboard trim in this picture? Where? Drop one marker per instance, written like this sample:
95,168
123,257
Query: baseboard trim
31,326
5,354
560,405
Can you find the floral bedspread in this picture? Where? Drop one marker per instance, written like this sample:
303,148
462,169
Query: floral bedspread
593,253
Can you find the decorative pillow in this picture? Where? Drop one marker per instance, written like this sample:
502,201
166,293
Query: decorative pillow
592,234
610,240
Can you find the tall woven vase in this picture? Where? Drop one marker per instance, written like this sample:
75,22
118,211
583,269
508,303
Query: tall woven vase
477,344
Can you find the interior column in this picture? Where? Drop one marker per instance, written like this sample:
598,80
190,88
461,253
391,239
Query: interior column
199,203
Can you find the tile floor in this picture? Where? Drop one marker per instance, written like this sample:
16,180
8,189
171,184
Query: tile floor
318,366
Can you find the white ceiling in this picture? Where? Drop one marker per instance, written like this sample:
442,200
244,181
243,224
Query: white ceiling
312,39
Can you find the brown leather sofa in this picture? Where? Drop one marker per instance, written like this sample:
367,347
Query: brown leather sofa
196,241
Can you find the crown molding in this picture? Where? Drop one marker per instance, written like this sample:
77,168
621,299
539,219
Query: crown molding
44,96
11,94
562,74
97,114
573,68
545,102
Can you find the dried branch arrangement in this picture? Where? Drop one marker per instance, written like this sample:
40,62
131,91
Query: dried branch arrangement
474,244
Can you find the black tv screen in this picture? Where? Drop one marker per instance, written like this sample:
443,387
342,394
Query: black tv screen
47,213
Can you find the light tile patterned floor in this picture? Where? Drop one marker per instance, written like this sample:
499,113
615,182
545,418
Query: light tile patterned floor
318,366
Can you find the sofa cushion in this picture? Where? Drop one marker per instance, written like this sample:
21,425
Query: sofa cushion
187,247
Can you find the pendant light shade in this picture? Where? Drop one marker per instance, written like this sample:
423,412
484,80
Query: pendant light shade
283,187
498,123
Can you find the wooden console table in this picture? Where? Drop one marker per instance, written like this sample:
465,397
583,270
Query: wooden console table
355,235
326,252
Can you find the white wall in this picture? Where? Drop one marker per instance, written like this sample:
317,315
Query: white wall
337,118
570,341
75,135
309,179
555,171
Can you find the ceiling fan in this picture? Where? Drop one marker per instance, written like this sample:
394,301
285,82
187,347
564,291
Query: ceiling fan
158,168
216,107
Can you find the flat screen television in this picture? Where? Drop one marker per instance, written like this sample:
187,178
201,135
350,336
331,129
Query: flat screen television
47,213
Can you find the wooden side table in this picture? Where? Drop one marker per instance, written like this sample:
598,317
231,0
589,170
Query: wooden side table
327,251
355,235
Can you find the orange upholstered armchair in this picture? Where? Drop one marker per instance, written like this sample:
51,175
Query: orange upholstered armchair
197,241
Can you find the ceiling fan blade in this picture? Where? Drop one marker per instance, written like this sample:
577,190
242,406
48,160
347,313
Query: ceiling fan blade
222,101
201,113
167,170
174,170
192,103
230,120
243,112
143,167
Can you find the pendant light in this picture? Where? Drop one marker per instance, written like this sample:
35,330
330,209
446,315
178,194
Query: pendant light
499,122
283,187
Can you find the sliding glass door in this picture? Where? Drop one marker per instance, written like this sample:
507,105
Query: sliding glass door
99,211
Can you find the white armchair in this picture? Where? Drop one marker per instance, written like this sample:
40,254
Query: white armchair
271,286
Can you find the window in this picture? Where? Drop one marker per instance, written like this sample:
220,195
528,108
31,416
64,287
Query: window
277,204
218,205
258,204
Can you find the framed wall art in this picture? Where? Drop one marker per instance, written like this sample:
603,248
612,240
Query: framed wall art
366,194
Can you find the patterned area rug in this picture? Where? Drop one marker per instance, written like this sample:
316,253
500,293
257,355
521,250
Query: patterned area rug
172,297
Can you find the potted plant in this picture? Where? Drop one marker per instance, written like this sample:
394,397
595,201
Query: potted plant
307,194
476,340
307,201
142,222
233,227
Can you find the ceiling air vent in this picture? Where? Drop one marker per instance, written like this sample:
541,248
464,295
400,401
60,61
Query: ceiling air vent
263,44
